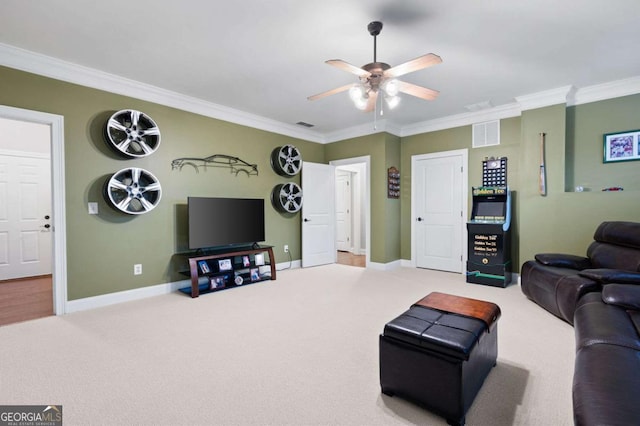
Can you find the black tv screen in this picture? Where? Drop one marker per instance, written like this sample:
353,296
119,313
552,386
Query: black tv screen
217,222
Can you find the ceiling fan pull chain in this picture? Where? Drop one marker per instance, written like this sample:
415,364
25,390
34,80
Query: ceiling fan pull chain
375,117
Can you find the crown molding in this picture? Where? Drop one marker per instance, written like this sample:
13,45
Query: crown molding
365,129
545,98
610,90
464,119
47,66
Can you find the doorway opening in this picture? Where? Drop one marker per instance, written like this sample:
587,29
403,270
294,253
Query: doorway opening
32,224
352,211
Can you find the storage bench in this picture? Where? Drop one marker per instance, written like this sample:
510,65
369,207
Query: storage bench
439,352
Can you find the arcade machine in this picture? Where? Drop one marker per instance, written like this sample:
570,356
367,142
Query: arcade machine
489,233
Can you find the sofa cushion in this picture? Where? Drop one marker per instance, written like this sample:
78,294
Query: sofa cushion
619,233
610,256
555,289
597,323
625,296
563,260
605,385
611,276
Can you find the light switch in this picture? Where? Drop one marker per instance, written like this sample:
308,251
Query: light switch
93,208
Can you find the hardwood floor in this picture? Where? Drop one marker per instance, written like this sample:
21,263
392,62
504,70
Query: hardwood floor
346,258
25,299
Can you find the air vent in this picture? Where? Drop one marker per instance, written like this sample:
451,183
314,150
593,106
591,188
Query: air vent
302,123
486,134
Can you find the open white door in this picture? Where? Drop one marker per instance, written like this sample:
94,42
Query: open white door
318,214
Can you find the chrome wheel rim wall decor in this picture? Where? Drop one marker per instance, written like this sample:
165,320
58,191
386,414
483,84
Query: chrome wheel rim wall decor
287,197
132,133
133,191
286,160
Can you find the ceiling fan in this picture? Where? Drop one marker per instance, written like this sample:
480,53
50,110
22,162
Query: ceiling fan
379,76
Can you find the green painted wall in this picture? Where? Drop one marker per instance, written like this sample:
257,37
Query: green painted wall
392,205
586,125
565,221
102,249
455,139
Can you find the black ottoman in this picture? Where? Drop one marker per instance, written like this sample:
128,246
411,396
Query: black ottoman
438,358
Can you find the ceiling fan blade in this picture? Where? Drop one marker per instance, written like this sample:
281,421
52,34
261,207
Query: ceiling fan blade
417,91
345,66
330,92
416,64
371,102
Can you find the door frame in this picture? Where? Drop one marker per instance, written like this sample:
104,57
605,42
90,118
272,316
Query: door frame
366,159
464,153
59,237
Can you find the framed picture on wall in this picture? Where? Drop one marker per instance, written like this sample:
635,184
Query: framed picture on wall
621,146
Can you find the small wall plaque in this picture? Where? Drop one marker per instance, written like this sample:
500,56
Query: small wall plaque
393,183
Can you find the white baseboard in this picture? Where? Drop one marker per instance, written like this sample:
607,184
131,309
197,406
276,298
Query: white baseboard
385,266
160,289
295,264
142,293
406,263
123,296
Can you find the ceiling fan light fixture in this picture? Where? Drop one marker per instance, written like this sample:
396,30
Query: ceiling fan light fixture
379,78
391,87
358,95
392,101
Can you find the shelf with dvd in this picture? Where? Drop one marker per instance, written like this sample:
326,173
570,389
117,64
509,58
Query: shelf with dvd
229,268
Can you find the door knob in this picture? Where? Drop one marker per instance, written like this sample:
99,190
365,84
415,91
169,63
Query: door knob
306,220
47,226
419,219
47,217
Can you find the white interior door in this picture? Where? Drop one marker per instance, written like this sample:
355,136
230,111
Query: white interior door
318,214
25,216
343,211
439,218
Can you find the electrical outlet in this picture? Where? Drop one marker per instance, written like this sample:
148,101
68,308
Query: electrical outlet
137,269
286,248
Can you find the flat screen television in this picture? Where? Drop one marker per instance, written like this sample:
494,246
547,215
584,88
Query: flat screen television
223,222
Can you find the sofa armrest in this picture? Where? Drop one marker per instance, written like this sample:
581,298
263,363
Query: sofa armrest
563,260
623,295
605,276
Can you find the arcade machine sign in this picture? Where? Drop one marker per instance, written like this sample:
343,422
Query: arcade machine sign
489,233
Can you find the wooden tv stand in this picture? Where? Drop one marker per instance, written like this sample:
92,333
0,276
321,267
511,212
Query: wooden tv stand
220,269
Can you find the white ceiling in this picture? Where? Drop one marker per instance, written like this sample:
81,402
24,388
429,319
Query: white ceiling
264,58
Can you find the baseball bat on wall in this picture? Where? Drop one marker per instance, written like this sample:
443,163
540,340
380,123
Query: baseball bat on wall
542,180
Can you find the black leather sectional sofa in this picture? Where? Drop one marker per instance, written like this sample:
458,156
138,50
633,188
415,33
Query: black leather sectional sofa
600,296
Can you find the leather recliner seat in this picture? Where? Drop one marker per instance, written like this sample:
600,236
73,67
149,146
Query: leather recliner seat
557,281
606,377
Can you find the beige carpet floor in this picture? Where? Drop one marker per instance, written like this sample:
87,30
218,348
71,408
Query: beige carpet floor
301,350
